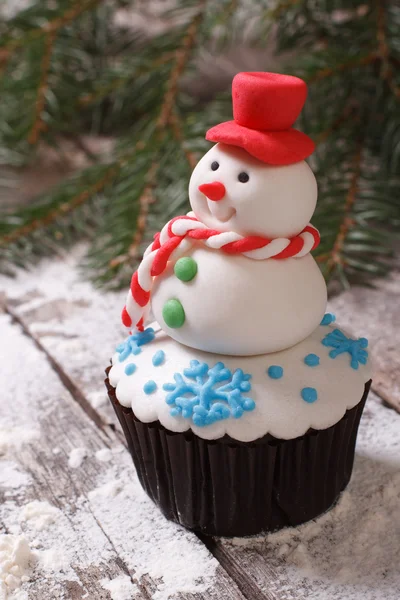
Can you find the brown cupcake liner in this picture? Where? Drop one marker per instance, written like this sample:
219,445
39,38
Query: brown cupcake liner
229,488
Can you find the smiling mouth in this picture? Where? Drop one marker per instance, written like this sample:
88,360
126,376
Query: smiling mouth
221,213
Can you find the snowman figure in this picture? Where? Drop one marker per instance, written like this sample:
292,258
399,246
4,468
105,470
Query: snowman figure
236,276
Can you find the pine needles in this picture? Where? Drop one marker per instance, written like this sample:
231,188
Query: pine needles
71,68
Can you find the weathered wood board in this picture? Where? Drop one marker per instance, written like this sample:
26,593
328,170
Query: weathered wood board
328,558
70,489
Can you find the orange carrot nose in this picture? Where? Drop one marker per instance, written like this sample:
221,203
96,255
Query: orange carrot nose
214,191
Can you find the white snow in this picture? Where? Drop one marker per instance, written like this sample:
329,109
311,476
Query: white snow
120,588
76,457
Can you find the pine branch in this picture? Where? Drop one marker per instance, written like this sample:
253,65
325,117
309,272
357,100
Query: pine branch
344,66
145,199
81,74
105,90
181,58
347,113
282,7
167,118
177,131
38,124
383,49
52,27
61,211
335,257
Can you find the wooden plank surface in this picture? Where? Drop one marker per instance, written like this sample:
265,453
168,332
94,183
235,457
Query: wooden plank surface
98,523
42,407
78,326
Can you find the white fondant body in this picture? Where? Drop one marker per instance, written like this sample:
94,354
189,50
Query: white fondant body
279,408
240,306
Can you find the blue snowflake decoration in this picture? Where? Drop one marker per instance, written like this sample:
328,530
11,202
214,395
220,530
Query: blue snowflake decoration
209,395
341,343
132,344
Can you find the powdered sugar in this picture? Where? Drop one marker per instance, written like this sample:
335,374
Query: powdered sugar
145,540
120,588
76,457
16,558
15,437
162,549
39,515
104,455
79,325
11,476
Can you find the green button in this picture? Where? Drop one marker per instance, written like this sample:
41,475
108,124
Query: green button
185,268
173,313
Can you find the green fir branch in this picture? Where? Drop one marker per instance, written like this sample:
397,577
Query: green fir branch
66,69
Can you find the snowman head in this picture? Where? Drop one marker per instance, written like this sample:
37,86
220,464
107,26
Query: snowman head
230,190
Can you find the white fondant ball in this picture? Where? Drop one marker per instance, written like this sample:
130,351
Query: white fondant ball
276,201
239,306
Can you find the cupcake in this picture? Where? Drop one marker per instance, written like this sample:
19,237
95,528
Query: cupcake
241,402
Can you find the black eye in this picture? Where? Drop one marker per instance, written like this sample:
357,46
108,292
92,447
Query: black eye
214,165
243,177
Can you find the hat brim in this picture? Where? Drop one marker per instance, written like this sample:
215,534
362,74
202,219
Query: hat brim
271,147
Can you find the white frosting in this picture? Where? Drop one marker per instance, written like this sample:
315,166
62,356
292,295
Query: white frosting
237,305
275,202
280,409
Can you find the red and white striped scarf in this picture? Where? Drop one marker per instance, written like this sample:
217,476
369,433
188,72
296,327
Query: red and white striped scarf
180,234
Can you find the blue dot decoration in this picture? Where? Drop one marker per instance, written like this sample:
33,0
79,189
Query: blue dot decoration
130,369
150,387
158,358
275,372
327,319
309,394
311,360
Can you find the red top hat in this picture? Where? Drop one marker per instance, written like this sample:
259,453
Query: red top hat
265,106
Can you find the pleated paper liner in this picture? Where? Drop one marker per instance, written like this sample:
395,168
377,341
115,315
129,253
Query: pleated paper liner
229,488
